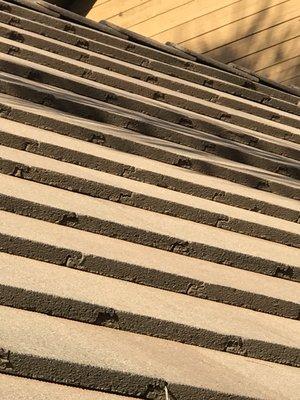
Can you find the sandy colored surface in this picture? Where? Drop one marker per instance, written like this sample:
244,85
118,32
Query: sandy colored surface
39,335
12,388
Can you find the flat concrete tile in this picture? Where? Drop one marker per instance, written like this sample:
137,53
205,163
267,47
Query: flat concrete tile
181,173
38,335
13,387
164,225
145,257
65,143
40,277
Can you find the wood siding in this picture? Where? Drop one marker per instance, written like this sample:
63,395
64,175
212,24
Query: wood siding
262,35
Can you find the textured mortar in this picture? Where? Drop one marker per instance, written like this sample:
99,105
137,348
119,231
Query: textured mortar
185,212
97,114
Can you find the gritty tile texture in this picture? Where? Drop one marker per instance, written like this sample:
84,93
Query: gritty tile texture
149,218
13,387
31,339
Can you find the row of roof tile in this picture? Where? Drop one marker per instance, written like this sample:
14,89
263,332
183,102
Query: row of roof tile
149,230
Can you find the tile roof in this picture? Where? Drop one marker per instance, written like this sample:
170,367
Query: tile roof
149,229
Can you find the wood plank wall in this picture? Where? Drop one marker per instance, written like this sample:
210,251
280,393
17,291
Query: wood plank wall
262,35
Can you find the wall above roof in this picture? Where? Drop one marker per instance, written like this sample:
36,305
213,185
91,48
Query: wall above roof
259,35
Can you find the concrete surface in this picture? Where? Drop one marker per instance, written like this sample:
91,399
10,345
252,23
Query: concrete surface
100,84
200,279
100,111
231,192
162,200
12,388
160,61
190,236
171,97
32,36
127,306
149,223
34,341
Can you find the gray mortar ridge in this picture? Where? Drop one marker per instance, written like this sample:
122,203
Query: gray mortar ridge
147,276
105,227
130,171
50,97
81,366
145,51
183,53
146,325
114,92
165,207
151,239
206,60
149,42
102,379
151,203
211,140
126,50
16,33
115,346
